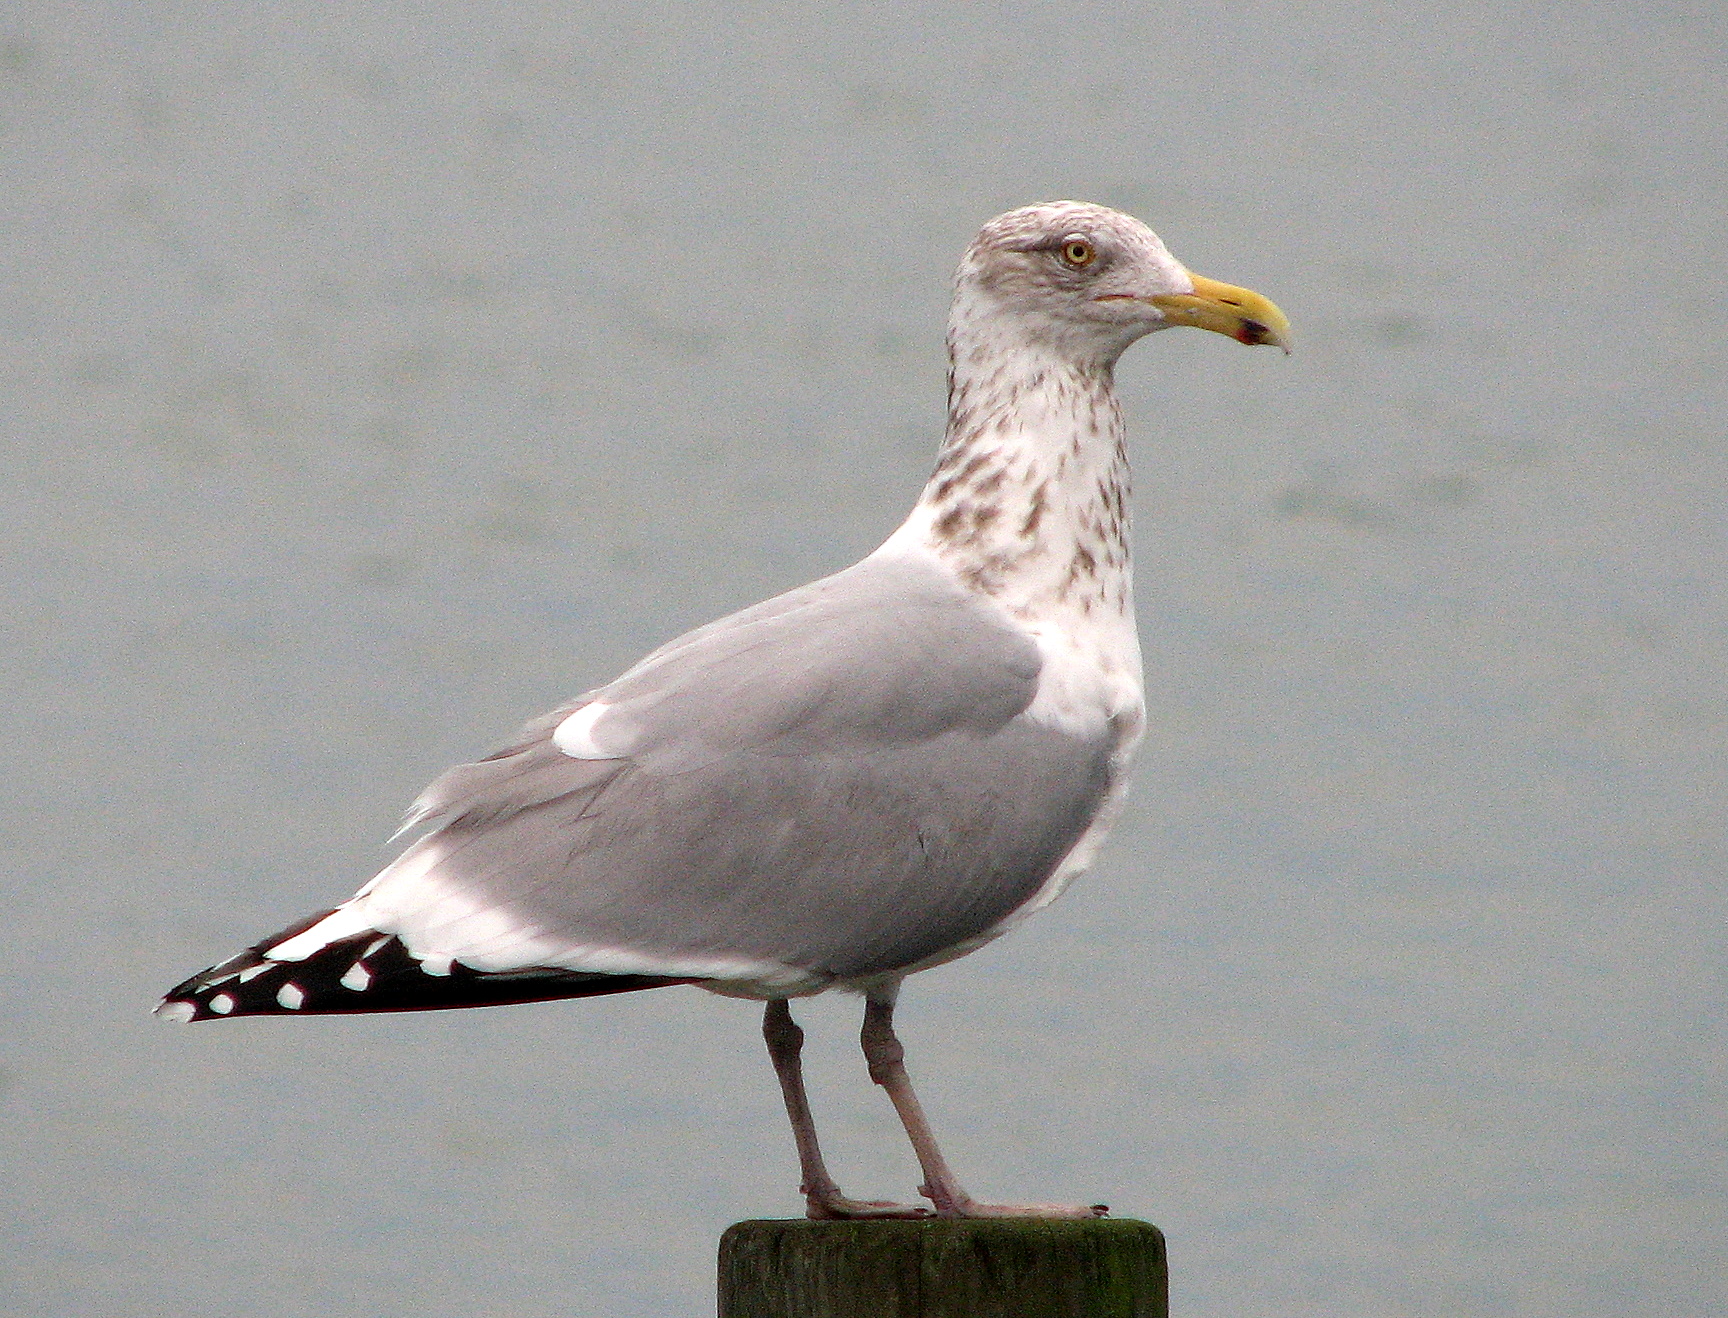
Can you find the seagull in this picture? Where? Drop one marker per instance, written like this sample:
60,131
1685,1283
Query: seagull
854,781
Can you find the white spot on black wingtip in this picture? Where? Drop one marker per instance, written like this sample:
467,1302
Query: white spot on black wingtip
181,1013
374,945
290,995
252,972
357,977
222,1004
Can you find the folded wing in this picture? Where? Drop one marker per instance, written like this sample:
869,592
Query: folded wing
838,783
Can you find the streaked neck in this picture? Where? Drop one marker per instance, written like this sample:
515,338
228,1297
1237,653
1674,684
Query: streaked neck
1029,500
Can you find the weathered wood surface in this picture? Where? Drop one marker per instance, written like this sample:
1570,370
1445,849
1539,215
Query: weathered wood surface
935,1269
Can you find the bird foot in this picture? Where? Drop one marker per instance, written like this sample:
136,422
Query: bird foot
963,1206
1064,1212
836,1207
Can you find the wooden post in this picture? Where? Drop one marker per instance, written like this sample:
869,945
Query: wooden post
1026,1268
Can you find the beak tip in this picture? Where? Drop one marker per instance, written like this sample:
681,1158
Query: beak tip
1254,333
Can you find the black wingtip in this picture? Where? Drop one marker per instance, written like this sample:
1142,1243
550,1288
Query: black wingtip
225,988
371,972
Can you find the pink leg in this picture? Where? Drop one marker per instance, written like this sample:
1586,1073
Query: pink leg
887,1061
822,1197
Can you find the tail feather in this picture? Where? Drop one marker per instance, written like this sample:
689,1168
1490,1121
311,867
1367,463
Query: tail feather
371,971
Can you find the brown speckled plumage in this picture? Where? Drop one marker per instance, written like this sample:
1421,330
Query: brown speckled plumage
996,507
1029,498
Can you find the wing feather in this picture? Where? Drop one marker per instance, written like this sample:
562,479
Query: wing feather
838,782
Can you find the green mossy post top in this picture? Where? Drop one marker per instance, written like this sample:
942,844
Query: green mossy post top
1025,1268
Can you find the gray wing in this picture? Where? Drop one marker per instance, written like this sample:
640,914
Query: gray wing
840,780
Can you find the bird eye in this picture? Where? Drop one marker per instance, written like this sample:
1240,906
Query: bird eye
1078,253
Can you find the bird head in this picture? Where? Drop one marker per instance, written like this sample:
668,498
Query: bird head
1086,281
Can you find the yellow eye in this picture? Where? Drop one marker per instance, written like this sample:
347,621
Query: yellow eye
1078,253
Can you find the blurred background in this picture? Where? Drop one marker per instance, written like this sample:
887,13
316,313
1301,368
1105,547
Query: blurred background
374,375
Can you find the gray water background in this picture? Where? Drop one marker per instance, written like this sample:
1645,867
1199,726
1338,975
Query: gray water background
375,375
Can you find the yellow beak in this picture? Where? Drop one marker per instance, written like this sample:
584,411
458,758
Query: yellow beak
1240,313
